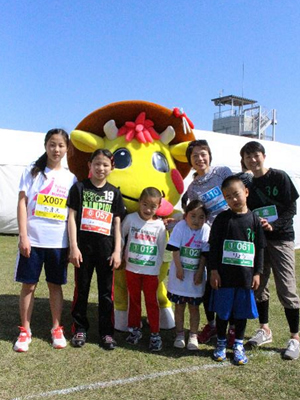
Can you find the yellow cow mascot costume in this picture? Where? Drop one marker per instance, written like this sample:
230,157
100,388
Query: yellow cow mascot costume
148,142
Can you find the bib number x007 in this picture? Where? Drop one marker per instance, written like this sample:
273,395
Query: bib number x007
51,207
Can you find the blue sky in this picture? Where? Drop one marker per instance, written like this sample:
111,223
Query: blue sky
61,60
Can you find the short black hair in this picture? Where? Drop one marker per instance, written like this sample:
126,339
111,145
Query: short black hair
197,143
231,179
151,192
252,147
105,153
195,205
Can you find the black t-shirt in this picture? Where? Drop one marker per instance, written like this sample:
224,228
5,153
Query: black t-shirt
275,188
96,209
231,247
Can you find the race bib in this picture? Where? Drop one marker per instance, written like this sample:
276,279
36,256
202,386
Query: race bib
238,253
269,213
189,258
51,207
142,254
213,199
97,221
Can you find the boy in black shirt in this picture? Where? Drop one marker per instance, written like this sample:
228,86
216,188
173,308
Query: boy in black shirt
236,260
273,197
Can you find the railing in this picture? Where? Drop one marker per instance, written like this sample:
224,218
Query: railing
252,121
225,114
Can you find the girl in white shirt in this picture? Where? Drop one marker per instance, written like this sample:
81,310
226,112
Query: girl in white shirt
187,276
42,218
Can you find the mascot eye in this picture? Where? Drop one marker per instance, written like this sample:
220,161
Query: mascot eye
122,158
160,162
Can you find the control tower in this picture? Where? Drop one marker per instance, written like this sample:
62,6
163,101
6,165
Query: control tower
244,117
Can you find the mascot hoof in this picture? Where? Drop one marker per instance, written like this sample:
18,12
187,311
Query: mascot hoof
166,319
121,321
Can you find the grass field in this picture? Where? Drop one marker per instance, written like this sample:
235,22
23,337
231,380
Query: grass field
130,372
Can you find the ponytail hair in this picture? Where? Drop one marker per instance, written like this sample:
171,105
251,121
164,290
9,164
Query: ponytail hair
41,163
39,166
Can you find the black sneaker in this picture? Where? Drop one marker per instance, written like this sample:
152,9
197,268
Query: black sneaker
155,342
108,342
79,339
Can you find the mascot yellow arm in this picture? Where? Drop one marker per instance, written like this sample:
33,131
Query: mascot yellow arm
86,141
178,151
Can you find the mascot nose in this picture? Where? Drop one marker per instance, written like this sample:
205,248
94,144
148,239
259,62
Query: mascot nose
164,209
177,180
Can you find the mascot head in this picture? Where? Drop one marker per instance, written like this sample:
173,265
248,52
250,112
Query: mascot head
148,142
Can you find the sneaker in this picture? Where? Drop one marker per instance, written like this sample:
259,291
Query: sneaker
58,339
108,342
207,333
230,338
220,351
193,342
23,341
239,356
134,336
292,350
79,339
261,337
179,341
155,342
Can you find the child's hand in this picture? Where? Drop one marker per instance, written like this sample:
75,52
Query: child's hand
115,260
215,279
179,273
75,257
265,225
198,277
25,247
255,282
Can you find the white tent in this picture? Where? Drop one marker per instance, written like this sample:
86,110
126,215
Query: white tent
20,148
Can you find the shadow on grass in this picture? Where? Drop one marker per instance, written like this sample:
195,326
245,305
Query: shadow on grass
168,337
41,321
41,324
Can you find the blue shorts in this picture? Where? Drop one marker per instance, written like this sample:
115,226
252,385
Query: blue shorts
55,261
236,302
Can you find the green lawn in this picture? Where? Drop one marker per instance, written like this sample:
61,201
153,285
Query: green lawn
170,374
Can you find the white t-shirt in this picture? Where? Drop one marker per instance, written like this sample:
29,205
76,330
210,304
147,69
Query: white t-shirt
190,243
47,211
145,244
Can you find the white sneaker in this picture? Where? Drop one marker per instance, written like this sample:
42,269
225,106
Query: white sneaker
193,342
23,341
292,350
58,339
261,337
179,342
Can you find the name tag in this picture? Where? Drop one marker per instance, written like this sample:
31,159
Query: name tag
213,199
238,253
51,207
97,221
189,258
142,254
269,213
